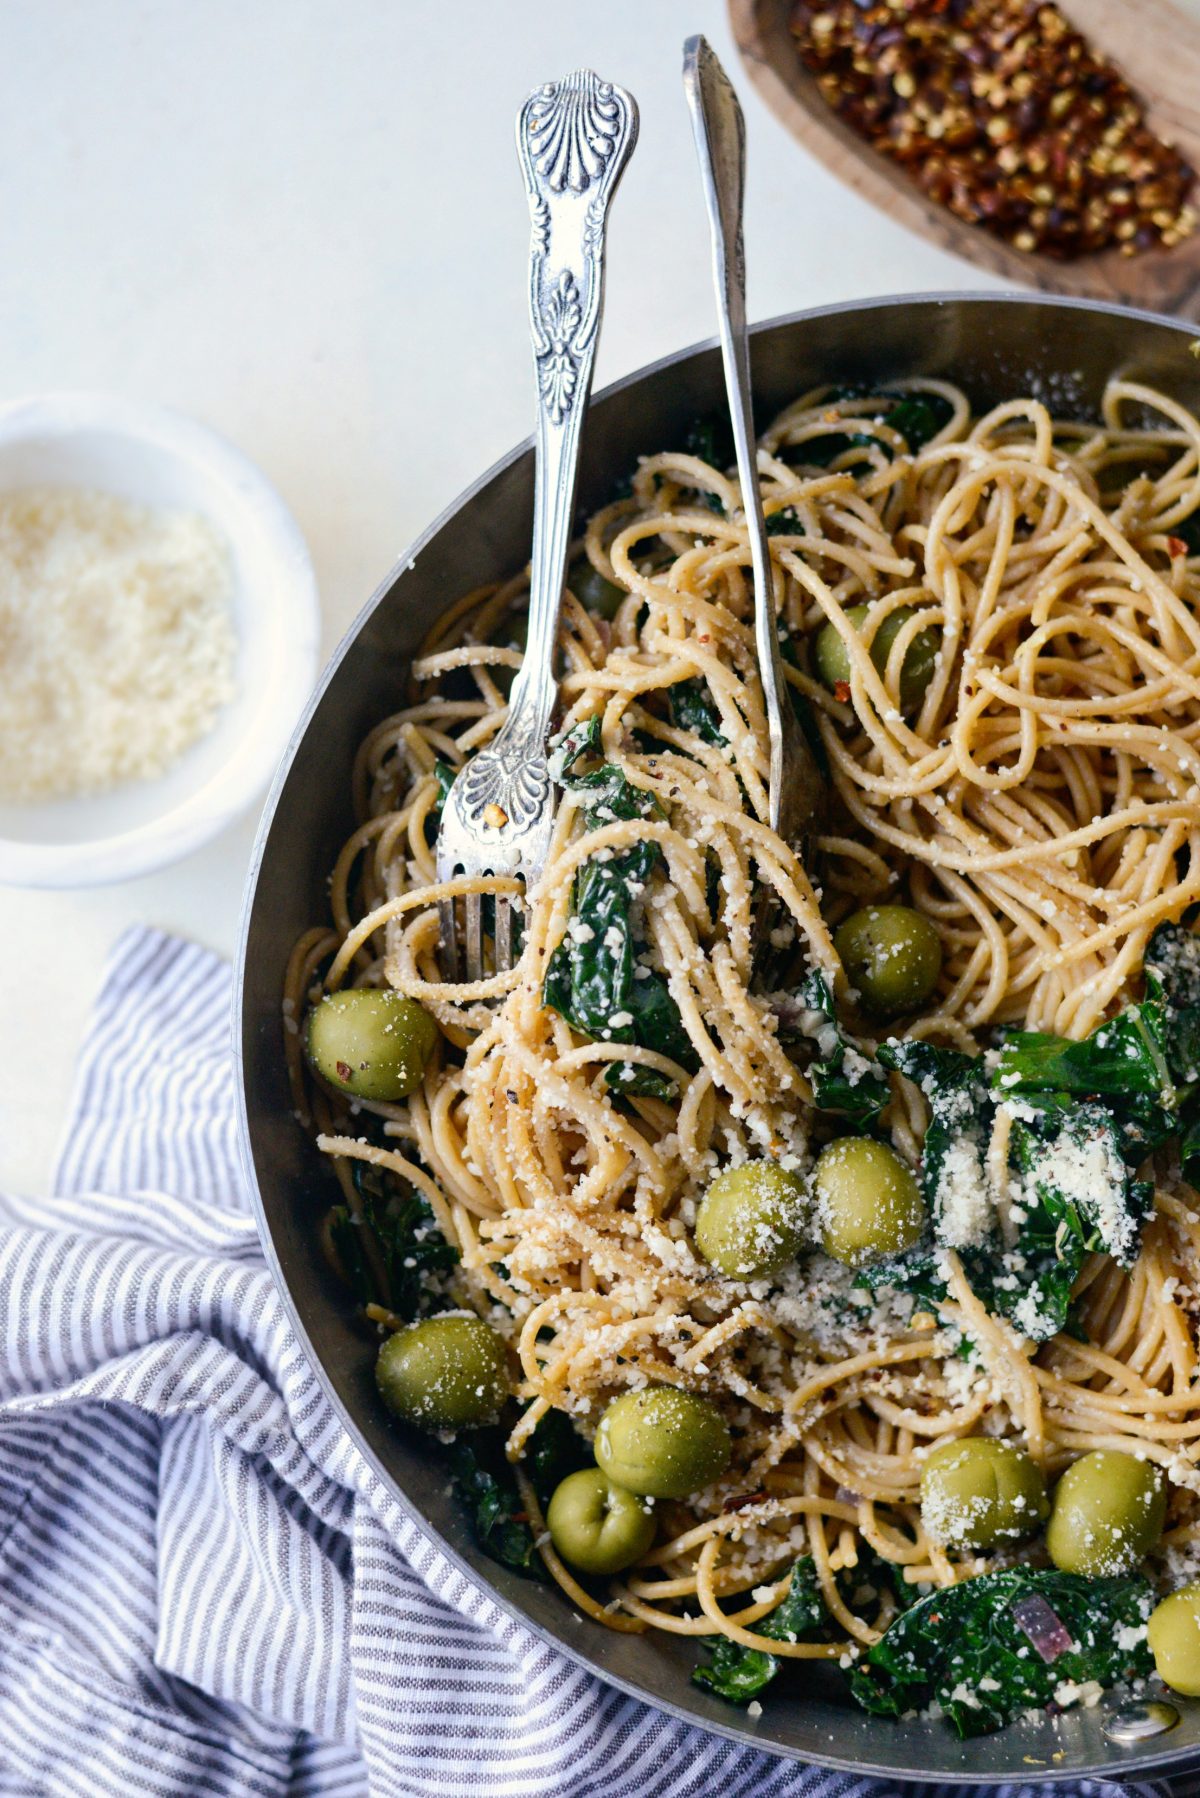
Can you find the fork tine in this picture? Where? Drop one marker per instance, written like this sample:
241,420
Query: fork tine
474,936
449,939
504,933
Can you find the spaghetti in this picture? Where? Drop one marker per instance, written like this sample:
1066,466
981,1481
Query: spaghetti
1039,805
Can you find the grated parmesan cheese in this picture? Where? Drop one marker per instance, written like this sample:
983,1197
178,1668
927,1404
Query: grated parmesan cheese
116,640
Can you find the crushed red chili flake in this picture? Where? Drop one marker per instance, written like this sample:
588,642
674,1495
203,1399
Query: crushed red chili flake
1006,115
841,690
344,1070
742,1500
1176,546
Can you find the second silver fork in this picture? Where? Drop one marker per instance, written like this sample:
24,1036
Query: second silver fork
574,138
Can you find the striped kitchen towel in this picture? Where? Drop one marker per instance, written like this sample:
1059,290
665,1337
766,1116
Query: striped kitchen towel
203,1588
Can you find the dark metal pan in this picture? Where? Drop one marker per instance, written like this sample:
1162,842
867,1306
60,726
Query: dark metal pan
996,347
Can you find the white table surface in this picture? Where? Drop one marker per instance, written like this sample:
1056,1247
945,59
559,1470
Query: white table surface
302,221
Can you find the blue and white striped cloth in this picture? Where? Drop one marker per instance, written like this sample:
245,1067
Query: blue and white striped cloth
203,1589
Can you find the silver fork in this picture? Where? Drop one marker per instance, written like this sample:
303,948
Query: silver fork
574,138
720,132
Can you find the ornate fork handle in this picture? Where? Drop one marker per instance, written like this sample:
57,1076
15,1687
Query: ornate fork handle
574,138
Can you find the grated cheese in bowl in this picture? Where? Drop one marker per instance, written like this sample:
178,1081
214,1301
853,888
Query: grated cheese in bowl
117,642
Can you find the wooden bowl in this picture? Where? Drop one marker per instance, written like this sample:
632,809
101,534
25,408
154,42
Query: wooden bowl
1154,43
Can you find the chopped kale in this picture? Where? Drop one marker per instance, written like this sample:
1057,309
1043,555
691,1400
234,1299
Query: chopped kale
784,523
740,1674
916,1271
555,1450
1034,1138
1143,1065
711,439
444,775
955,1089
843,1080
411,1248
692,709
819,452
596,973
1031,1280
919,417
1124,1055
1173,979
347,1239
486,1485
964,1649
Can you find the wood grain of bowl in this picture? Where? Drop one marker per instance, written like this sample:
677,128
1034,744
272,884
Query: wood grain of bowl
1154,42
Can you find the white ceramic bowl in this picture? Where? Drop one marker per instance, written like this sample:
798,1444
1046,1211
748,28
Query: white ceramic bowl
157,457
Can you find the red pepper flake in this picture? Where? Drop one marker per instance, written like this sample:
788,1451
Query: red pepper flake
742,1500
1177,546
1003,113
519,1517
841,690
344,1070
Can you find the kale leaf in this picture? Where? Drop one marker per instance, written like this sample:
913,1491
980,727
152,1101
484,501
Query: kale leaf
692,709
594,974
1123,1055
1031,1280
919,417
964,1648
740,1673
842,1079
1173,978
444,775
711,439
411,1247
486,1486
955,1089
1143,1065
554,1450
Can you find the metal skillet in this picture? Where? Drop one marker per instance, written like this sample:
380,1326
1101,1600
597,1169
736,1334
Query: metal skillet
995,346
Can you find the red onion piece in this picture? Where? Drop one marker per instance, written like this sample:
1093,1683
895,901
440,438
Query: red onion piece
1044,1627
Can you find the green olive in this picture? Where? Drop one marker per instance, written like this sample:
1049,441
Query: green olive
1107,1514
596,1526
980,1493
593,590
1174,1636
371,1042
892,957
751,1220
920,658
445,1373
867,1201
662,1443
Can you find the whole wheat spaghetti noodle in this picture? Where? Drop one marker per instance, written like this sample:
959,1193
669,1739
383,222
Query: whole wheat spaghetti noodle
1039,805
